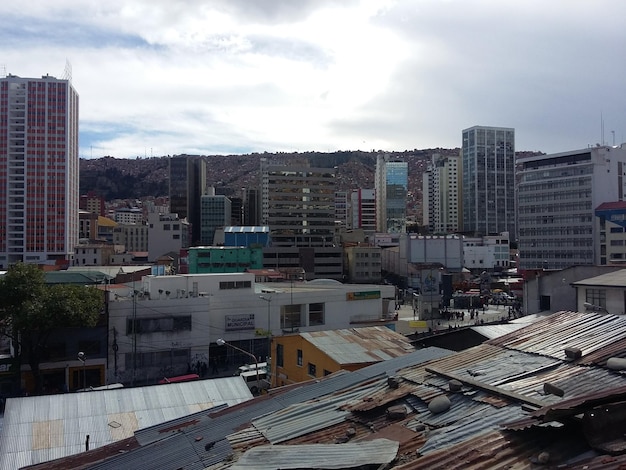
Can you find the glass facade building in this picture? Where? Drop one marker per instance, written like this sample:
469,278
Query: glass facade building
488,187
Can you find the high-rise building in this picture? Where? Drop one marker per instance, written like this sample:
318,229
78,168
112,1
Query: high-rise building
363,209
298,204
39,195
557,198
215,214
441,190
488,188
187,185
391,184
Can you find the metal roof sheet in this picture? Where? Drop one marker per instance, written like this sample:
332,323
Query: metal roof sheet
594,334
42,428
322,456
360,345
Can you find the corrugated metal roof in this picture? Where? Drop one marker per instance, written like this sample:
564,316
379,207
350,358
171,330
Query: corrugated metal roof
43,428
360,345
595,334
322,456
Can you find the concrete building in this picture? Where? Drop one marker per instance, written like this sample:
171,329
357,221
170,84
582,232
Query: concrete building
39,196
298,204
187,185
342,210
363,264
610,222
133,237
557,197
222,259
363,210
490,253
441,190
166,233
317,262
128,215
164,324
93,254
215,213
603,293
391,186
93,203
307,356
488,185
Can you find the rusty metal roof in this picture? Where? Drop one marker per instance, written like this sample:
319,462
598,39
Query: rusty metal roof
360,345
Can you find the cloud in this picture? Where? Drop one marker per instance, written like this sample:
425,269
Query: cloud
236,76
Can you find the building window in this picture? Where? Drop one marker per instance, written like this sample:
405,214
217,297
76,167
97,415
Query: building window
596,297
299,359
312,369
290,317
235,285
316,314
280,355
160,324
327,372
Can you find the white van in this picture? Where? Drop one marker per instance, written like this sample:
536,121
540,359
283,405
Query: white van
256,382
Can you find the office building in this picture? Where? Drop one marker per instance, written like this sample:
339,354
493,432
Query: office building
488,183
558,195
298,204
215,213
441,195
391,187
363,210
39,196
187,185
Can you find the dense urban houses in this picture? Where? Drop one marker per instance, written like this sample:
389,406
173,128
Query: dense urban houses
558,195
187,178
441,201
39,197
391,186
488,184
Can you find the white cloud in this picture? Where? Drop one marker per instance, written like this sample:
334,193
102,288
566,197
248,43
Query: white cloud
235,76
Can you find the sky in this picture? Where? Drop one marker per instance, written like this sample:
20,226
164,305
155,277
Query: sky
217,77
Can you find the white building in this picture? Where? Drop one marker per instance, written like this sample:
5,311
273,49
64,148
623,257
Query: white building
441,191
128,215
39,196
557,196
166,233
487,253
167,324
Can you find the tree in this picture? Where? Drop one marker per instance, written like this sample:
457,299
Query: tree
30,310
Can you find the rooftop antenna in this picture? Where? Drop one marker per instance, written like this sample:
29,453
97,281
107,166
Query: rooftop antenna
602,130
67,71
613,132
3,70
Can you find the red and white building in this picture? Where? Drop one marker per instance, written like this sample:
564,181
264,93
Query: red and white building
39,195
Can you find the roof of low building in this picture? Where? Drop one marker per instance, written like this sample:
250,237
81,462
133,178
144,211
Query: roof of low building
41,428
360,345
612,279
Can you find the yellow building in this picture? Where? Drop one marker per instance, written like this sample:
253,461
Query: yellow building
305,356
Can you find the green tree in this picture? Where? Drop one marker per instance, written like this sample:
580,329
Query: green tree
30,310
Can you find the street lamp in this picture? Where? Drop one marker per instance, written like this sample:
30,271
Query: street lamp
221,342
82,358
